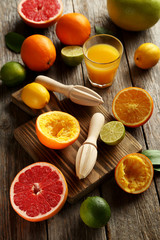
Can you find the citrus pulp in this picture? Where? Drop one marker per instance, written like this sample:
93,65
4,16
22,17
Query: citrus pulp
38,191
134,15
134,173
40,14
12,73
73,29
35,96
132,106
147,55
95,212
56,129
38,52
112,132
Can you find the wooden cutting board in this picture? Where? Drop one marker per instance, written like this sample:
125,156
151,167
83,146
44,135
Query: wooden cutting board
108,157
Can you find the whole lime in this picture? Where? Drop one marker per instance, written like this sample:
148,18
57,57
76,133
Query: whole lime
12,73
134,15
95,212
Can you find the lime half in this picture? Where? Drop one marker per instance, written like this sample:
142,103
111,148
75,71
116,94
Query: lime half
72,55
95,212
112,132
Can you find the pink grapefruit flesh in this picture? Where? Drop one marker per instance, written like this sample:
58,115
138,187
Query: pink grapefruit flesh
40,13
38,192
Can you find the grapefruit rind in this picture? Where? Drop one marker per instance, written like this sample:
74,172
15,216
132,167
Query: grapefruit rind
131,184
40,24
133,124
54,210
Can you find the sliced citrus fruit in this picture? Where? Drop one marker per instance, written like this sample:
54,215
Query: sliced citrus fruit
134,173
35,96
147,55
112,132
72,55
132,106
40,14
38,191
95,212
56,129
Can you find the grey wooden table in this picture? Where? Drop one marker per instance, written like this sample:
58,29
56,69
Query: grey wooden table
132,217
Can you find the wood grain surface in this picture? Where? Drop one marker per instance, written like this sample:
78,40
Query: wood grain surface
107,159
133,217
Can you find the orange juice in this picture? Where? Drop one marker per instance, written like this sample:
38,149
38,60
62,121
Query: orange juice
102,62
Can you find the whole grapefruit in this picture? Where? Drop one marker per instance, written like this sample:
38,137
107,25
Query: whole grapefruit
134,15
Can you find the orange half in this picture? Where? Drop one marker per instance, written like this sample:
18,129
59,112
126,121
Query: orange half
132,106
56,129
134,173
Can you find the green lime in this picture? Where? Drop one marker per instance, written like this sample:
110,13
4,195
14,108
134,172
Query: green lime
12,74
112,132
95,212
72,55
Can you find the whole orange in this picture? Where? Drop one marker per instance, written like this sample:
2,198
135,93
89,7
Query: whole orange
73,29
38,52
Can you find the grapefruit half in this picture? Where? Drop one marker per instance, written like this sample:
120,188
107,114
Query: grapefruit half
40,13
38,191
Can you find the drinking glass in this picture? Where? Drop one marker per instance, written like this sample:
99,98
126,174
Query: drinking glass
102,55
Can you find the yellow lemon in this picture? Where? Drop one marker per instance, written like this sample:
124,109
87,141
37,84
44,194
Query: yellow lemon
35,96
147,55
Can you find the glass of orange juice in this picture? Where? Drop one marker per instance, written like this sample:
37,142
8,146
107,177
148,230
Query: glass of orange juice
102,54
